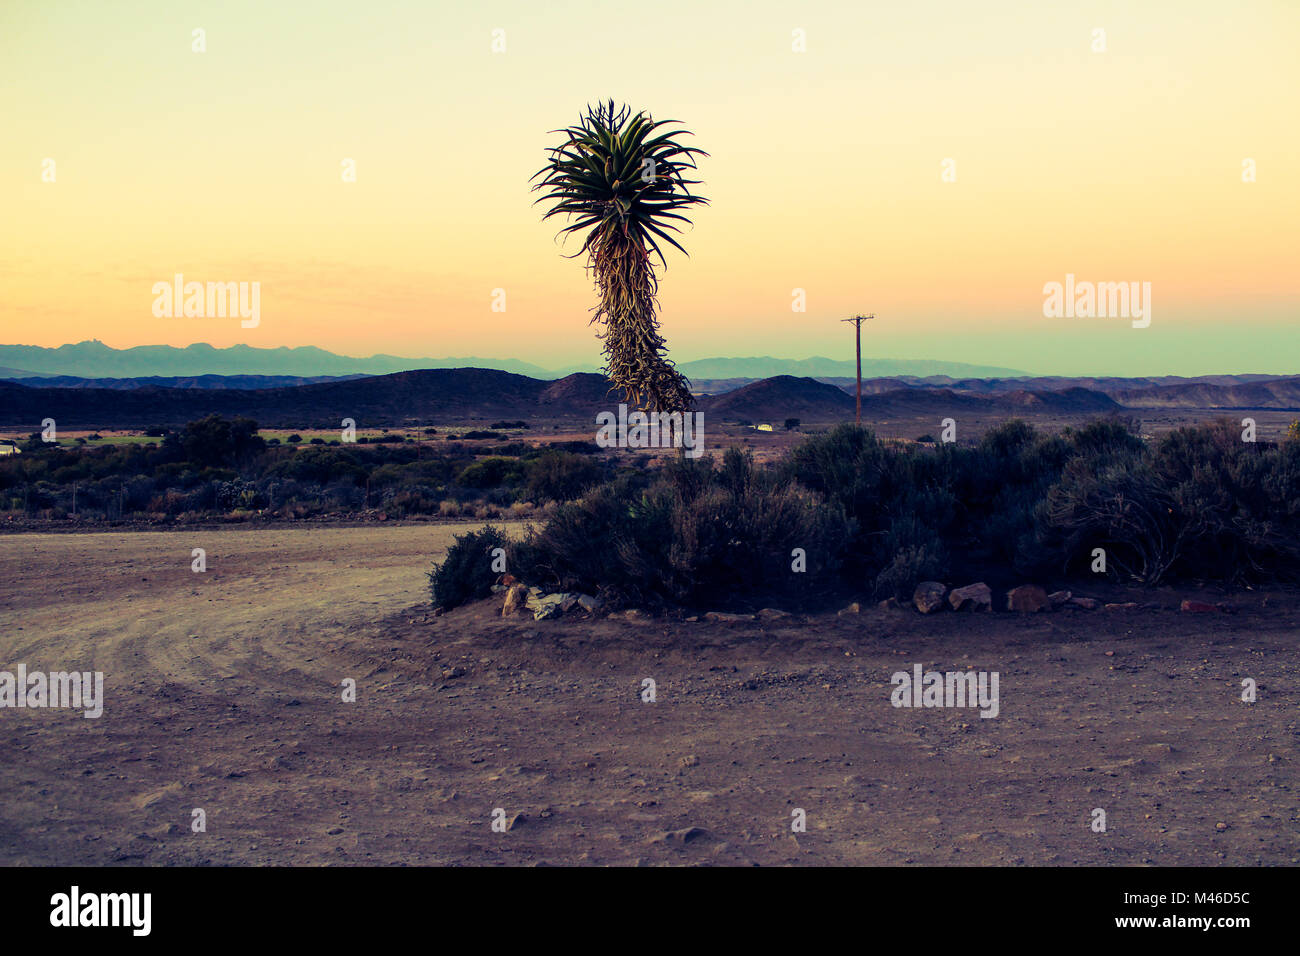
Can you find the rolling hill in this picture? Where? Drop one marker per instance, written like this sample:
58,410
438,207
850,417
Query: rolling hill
469,395
429,395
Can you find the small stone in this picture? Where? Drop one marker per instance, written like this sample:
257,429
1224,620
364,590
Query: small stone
1059,598
550,607
928,596
1087,603
453,672
516,600
1198,607
854,608
973,597
723,617
1028,599
686,835
772,614
690,760
1125,606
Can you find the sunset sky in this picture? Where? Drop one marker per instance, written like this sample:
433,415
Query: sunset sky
824,174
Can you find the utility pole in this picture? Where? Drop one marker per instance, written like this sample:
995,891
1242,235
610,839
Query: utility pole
857,321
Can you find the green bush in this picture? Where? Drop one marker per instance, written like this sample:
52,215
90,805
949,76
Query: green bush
1200,504
492,473
466,573
561,475
697,536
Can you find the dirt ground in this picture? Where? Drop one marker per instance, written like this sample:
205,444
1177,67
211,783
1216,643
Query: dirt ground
223,693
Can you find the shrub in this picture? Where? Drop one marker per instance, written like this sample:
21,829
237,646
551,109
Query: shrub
698,536
218,441
561,475
918,554
1200,504
466,573
492,473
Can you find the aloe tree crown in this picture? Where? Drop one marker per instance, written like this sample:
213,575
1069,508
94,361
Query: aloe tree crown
616,171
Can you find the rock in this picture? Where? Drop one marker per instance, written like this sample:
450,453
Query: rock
854,608
453,672
1059,598
772,614
591,605
1126,606
519,819
1198,607
1087,603
1028,599
548,608
928,596
724,617
973,597
631,614
544,605
516,600
686,835
690,760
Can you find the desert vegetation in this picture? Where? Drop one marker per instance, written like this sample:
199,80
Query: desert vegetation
622,178
222,467
848,514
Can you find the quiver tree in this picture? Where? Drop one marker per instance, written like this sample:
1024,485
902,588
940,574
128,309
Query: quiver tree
621,178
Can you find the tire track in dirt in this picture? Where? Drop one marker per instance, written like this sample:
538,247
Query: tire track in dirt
457,715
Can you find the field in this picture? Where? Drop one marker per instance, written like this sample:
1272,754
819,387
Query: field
223,694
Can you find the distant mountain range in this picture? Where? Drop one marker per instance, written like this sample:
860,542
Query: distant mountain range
237,382
93,359
468,395
818,367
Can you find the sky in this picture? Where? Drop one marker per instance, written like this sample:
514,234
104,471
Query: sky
934,163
